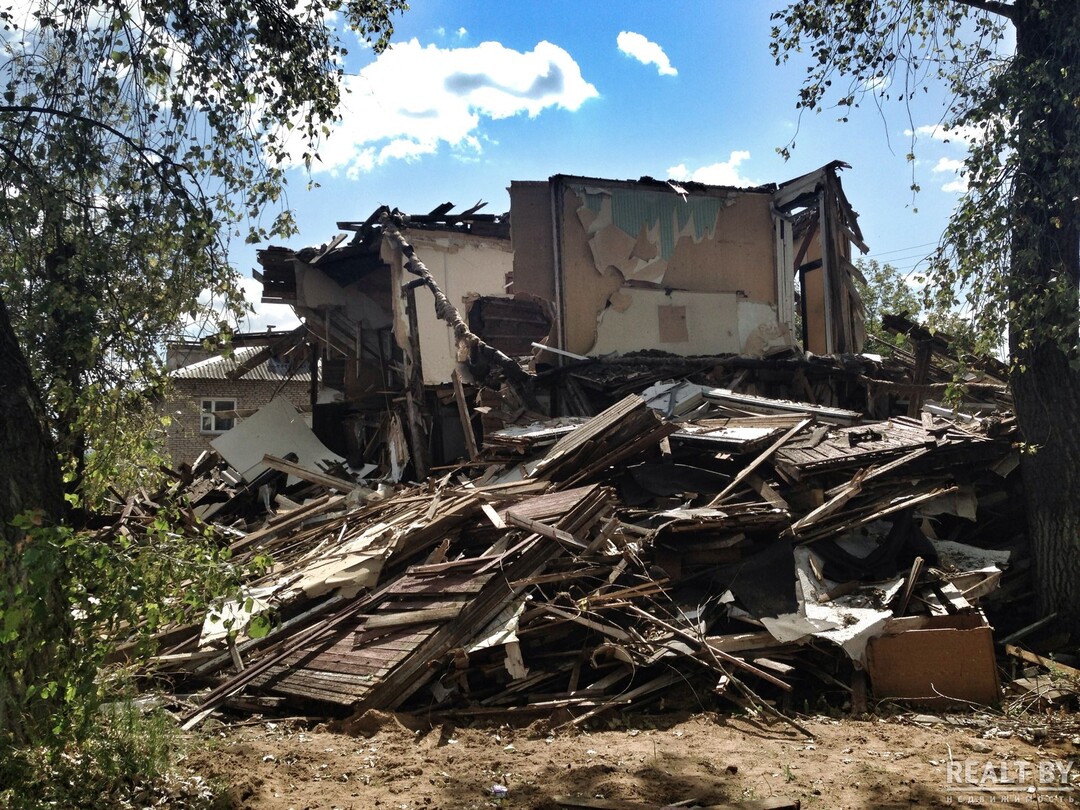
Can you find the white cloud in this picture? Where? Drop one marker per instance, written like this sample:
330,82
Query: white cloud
877,84
280,316
954,167
962,135
715,174
413,99
948,165
461,32
646,52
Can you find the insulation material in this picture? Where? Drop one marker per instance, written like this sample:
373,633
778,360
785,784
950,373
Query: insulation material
761,333
351,566
767,339
276,429
683,323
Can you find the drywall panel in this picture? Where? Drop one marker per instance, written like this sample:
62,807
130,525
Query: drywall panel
739,256
586,289
684,323
533,238
278,429
462,266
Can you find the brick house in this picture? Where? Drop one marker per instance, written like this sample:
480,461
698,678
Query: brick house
209,391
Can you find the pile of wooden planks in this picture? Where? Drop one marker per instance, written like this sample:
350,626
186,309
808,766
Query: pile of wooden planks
651,555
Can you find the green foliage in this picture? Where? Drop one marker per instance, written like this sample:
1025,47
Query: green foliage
885,292
127,762
117,589
126,445
135,143
1010,252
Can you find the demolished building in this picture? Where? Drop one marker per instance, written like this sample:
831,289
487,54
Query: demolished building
629,480
582,266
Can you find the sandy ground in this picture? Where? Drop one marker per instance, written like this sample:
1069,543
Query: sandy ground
389,761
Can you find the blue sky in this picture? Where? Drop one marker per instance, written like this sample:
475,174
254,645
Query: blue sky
476,93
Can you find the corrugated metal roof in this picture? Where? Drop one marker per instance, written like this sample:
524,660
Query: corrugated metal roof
218,368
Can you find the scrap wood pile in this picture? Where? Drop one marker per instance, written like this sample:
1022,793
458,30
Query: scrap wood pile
685,542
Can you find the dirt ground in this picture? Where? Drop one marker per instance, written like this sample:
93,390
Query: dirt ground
392,762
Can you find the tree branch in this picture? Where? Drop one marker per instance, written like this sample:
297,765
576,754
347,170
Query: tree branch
992,7
159,165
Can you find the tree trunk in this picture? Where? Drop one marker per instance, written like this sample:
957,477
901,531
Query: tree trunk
32,574
1043,284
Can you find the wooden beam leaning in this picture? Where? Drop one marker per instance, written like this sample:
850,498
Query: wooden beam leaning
311,476
748,470
465,416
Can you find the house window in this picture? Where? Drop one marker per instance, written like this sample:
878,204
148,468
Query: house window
213,419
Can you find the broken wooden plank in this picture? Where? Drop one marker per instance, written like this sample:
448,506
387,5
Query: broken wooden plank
543,529
1042,660
747,471
749,402
311,476
464,416
600,627
381,622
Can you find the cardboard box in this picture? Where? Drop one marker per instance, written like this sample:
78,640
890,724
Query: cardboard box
935,661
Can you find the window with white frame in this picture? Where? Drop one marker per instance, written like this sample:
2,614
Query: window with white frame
217,415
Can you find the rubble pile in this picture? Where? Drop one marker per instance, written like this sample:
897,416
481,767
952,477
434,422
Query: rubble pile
686,542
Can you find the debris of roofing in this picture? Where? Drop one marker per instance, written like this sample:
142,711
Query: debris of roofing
676,540
475,532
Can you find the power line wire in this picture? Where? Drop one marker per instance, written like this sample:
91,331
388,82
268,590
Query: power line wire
898,250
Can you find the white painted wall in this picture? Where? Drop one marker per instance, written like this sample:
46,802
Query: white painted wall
461,265
712,323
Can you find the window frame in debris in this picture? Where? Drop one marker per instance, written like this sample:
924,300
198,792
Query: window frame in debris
208,415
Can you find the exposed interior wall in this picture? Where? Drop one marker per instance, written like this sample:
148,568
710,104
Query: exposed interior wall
463,266
678,322
739,258
531,234
625,247
352,322
586,288
813,297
